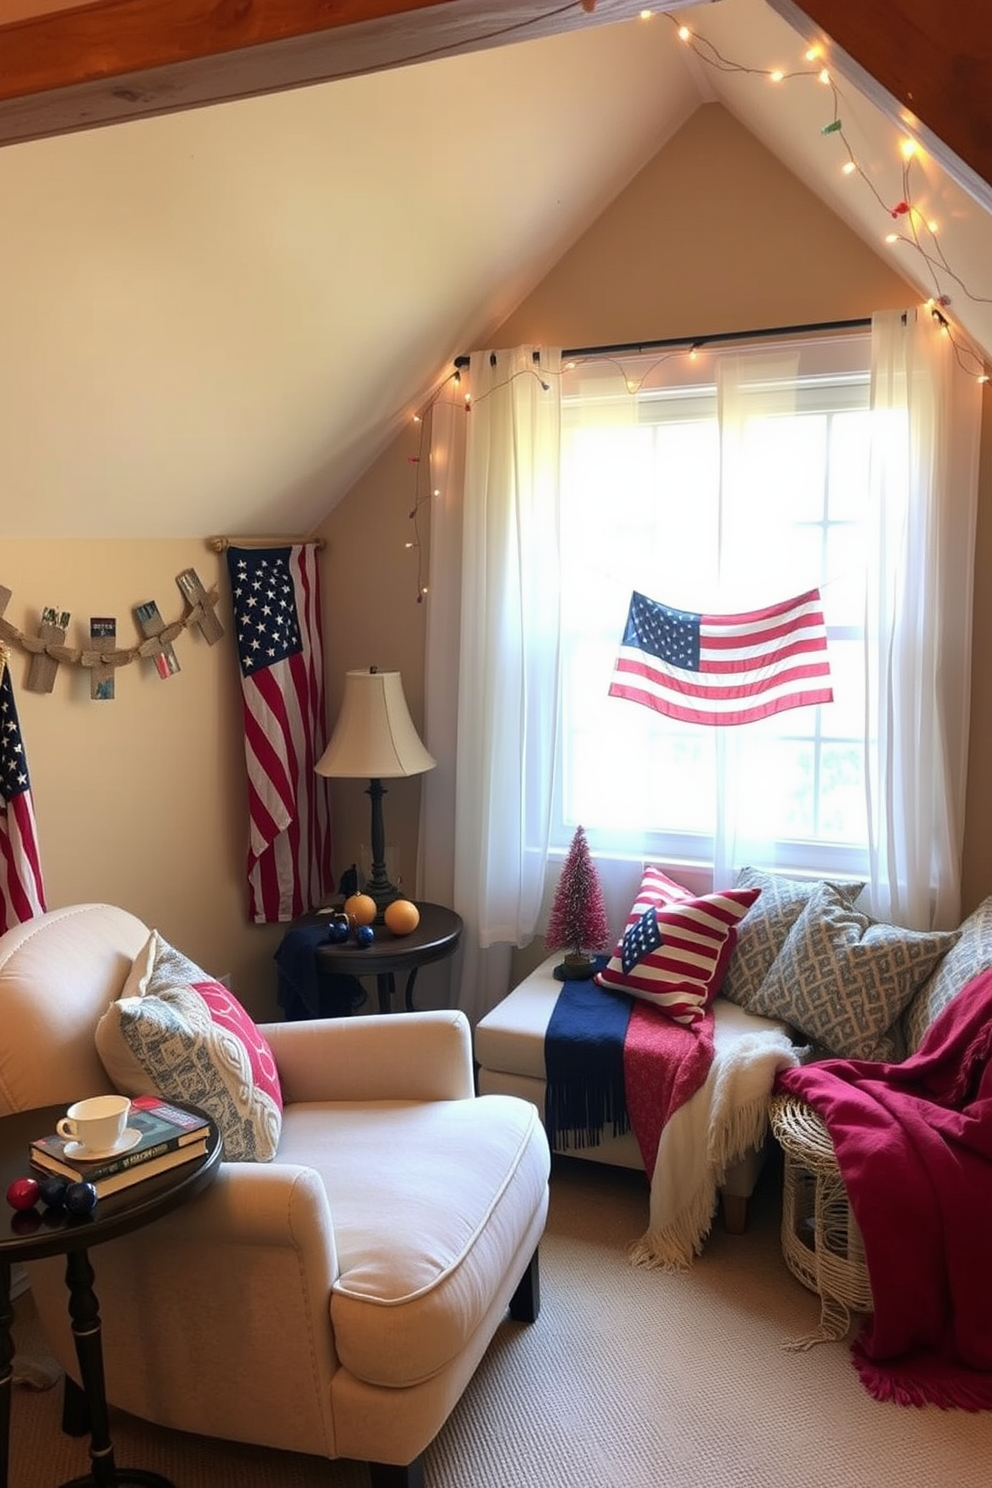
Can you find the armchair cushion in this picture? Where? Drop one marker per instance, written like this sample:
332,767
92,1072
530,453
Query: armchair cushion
178,1033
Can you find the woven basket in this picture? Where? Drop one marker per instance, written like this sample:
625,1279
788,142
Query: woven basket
821,1242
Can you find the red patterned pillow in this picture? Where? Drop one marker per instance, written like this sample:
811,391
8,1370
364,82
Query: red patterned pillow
177,1033
675,948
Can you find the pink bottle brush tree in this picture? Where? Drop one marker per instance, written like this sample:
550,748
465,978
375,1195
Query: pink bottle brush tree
577,923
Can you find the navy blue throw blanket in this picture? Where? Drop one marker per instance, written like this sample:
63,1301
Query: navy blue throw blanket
583,1058
303,991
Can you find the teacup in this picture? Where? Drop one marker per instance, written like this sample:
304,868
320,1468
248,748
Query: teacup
98,1123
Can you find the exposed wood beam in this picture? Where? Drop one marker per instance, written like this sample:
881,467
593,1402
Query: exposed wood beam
930,60
124,59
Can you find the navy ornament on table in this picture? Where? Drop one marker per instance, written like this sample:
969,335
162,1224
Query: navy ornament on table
51,1190
338,929
80,1199
364,935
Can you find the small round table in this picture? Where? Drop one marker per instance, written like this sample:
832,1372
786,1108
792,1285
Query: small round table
435,937
30,1235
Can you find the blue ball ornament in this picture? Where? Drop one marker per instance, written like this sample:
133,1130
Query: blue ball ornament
51,1190
80,1199
338,929
364,935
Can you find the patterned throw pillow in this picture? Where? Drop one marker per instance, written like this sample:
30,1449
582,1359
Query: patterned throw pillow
762,932
843,979
972,954
178,1033
675,948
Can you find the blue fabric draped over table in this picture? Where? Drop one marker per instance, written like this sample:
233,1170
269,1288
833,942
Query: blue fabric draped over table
305,991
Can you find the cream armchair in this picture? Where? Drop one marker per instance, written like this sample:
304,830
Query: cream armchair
335,1301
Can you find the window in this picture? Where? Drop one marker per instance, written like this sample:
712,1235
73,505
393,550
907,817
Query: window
714,482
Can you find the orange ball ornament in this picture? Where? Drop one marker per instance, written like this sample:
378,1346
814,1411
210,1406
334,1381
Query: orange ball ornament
360,909
401,916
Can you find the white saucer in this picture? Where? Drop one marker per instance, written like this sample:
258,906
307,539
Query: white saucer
131,1138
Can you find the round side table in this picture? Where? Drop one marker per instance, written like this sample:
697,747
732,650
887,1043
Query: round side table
435,937
30,1235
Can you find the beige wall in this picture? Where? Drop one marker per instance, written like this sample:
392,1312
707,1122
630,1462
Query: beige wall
142,801
713,235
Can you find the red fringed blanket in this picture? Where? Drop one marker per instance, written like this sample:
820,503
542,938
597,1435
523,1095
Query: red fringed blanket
914,1147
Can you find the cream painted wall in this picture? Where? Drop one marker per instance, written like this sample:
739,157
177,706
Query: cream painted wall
141,801
713,235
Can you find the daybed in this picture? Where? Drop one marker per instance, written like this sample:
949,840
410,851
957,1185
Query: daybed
808,972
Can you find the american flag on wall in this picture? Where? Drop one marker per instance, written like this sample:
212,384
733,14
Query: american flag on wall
22,890
276,593
724,669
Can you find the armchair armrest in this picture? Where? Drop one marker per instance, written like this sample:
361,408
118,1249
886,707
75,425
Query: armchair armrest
383,1056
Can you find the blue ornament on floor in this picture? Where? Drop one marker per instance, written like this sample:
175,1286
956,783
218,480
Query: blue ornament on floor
80,1199
364,935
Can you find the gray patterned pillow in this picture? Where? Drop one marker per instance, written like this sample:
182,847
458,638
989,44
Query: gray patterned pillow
843,978
972,954
762,932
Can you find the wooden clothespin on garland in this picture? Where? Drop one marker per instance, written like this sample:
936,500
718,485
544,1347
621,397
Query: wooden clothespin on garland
47,649
45,662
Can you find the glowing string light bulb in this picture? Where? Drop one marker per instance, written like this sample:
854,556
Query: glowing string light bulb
684,34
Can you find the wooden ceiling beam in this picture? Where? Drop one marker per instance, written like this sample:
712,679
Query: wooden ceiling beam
930,61
123,59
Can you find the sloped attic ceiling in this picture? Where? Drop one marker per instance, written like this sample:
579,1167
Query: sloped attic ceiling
214,320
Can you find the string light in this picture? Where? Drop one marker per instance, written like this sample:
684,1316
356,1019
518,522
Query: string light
904,209
929,251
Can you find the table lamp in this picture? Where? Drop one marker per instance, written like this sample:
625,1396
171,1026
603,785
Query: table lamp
374,737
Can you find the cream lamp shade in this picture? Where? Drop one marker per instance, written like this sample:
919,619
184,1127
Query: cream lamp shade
374,739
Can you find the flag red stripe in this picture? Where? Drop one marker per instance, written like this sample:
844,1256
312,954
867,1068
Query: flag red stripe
705,715
684,688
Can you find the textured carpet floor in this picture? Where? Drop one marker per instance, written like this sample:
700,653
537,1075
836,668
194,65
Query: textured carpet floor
630,1379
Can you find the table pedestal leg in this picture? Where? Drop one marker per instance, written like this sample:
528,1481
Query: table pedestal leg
385,985
85,1314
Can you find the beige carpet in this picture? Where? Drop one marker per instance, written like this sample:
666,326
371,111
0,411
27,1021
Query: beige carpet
630,1379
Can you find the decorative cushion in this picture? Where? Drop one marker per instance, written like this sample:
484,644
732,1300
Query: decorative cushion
963,962
761,934
675,948
842,978
178,1033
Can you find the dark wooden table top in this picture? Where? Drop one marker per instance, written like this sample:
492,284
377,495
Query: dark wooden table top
435,937
27,1235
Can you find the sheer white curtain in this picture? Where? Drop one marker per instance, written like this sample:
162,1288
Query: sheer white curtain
492,657
924,492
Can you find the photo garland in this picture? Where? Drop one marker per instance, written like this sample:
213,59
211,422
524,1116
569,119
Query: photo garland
48,650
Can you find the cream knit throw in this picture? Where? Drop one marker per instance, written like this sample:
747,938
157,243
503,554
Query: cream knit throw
726,1118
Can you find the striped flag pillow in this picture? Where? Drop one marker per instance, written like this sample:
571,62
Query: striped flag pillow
675,948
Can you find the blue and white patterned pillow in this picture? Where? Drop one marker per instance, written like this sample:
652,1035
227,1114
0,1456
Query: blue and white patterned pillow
762,932
963,962
178,1033
843,979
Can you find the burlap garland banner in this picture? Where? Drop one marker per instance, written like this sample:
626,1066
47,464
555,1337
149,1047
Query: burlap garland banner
201,613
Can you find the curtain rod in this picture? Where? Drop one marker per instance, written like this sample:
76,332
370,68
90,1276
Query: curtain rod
220,544
633,347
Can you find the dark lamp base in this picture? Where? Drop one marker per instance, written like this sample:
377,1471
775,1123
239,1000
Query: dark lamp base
383,892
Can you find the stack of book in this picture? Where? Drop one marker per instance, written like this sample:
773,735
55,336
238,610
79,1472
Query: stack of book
158,1136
